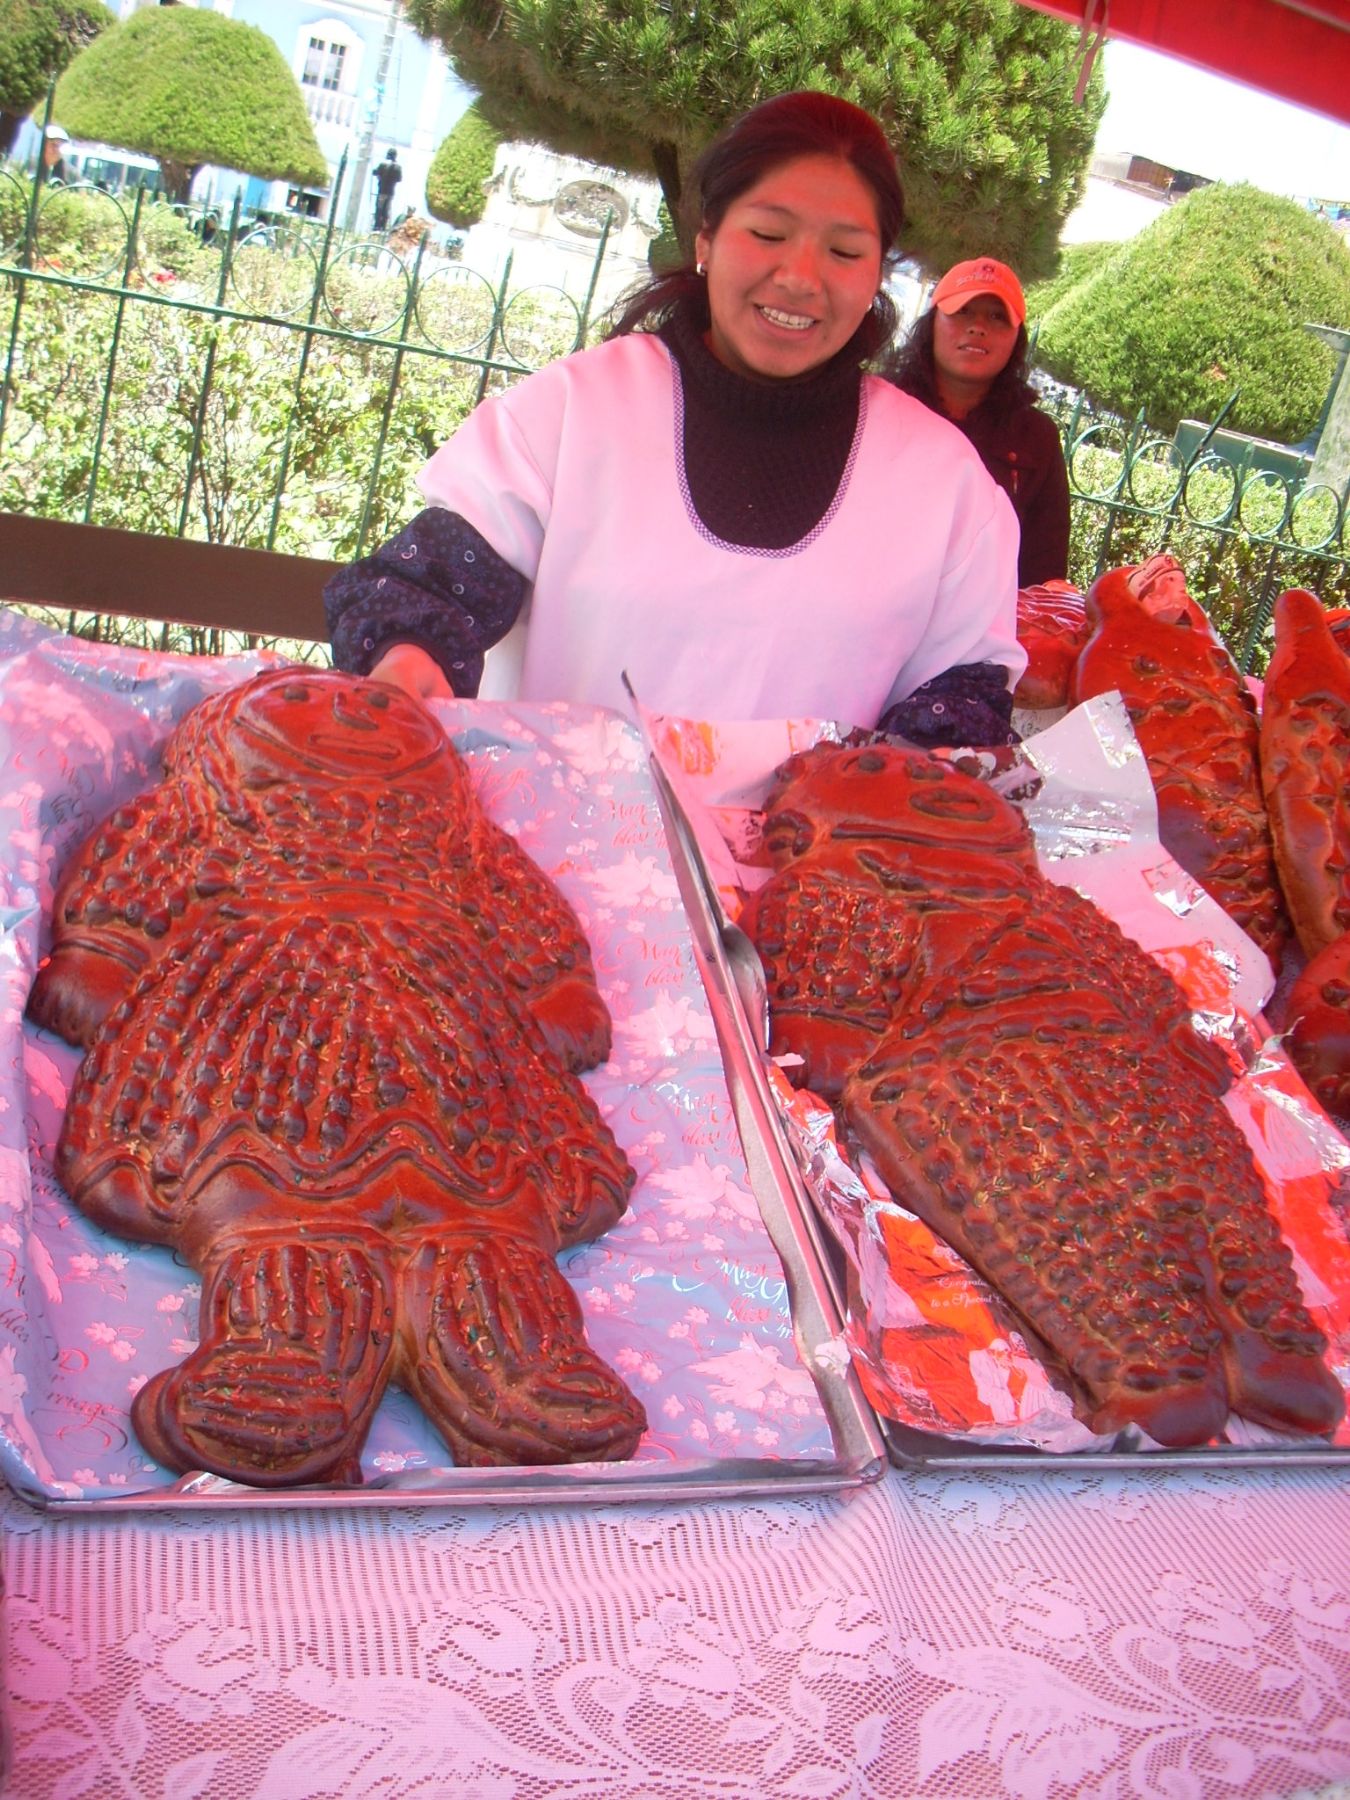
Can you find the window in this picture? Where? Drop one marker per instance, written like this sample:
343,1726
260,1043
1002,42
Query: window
327,60
323,65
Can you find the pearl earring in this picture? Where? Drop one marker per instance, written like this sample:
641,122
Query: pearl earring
700,268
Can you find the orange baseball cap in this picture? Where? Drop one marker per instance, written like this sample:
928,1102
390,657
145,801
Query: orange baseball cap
982,275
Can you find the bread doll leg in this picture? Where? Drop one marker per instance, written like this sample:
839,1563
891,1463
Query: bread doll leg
297,1341
495,1352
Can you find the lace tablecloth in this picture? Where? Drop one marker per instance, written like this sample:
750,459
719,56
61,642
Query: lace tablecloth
1177,1634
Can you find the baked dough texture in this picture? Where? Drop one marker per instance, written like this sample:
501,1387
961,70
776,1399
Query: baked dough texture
1029,1083
1197,725
332,1017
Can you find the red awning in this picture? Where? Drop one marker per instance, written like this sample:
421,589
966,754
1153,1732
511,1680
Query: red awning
1297,49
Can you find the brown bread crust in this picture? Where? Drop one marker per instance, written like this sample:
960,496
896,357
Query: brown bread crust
1052,628
331,1013
1039,1095
1305,768
1318,1042
1197,726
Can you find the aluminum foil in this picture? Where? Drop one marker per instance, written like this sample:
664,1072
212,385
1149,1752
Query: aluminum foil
936,1350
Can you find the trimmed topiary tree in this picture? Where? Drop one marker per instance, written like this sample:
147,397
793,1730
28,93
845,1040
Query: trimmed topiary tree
1211,297
1077,263
190,87
461,169
37,39
977,96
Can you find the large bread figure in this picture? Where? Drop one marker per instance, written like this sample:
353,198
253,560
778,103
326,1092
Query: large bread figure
331,1015
1029,1083
1305,768
1197,726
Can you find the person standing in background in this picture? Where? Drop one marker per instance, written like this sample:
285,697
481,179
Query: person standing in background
387,177
54,141
966,358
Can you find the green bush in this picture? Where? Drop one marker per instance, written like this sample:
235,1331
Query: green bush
1208,300
37,39
237,386
1077,262
460,170
191,87
664,251
169,249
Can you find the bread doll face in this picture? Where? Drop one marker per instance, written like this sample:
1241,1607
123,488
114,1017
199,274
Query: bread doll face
321,722
885,792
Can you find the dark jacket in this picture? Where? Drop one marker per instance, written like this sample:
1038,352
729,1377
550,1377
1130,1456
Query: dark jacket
1022,451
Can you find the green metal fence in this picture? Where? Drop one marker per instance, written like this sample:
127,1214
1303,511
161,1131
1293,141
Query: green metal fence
1242,535
278,386
274,386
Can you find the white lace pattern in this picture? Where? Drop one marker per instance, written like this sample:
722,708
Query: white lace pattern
1159,1635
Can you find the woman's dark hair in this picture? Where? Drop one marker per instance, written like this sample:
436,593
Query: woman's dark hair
912,368
773,133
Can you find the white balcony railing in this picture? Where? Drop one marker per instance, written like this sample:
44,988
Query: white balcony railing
328,107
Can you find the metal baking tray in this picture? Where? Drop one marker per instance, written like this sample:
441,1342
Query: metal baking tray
907,1447
855,1452
730,975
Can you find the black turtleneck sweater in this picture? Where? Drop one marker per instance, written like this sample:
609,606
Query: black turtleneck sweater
762,463
763,460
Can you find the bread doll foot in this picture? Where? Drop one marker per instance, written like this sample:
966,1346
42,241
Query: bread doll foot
297,1347
575,1022
497,1357
79,985
589,1184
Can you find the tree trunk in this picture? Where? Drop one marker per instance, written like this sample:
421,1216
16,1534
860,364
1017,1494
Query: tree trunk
9,129
666,162
178,179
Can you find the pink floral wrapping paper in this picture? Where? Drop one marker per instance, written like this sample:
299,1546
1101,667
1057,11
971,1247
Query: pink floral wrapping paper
685,1297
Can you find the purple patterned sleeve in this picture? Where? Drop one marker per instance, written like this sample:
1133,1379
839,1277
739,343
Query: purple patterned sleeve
971,704
438,584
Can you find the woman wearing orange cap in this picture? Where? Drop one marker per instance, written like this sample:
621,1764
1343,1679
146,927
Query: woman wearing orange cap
966,357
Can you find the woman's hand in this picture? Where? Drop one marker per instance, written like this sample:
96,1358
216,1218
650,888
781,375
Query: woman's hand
409,667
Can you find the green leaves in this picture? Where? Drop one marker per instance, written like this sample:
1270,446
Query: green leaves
975,95
1211,297
192,87
233,386
460,170
37,39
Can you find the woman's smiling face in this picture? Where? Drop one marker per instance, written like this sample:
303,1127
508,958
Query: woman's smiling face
971,347
792,268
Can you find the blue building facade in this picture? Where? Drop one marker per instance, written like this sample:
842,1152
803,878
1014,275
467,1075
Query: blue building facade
370,85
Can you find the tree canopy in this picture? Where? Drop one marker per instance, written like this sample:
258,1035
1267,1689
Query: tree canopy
1212,297
191,87
37,40
1076,263
460,169
976,96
